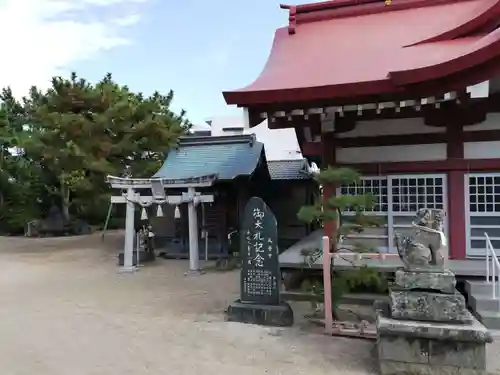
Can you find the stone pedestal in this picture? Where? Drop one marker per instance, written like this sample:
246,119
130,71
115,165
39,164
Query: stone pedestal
443,281
267,315
418,348
429,306
427,329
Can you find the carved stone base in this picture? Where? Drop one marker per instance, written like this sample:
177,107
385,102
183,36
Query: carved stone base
267,315
439,281
425,306
425,348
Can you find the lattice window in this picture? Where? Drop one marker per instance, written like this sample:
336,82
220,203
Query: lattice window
483,196
484,193
377,186
409,194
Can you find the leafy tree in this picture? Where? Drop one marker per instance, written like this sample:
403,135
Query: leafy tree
10,129
332,209
78,132
19,177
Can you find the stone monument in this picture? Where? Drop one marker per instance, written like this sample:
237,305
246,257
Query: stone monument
426,328
260,272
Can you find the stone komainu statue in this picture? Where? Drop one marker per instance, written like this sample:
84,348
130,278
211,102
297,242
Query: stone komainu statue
425,246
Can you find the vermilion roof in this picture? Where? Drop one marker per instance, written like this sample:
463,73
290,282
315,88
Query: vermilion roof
346,48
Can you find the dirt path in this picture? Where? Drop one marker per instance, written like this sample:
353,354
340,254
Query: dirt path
65,310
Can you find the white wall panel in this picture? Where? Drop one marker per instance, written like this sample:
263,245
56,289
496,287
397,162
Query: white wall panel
482,150
492,122
391,127
383,154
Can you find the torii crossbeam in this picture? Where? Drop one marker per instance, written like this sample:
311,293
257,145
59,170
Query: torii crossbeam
158,196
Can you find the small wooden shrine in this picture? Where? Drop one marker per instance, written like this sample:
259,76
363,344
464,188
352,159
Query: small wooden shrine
215,177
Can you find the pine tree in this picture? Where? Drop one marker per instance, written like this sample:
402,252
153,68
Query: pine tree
80,132
20,184
332,209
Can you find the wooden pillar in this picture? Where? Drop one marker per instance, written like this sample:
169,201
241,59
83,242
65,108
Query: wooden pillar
457,237
328,159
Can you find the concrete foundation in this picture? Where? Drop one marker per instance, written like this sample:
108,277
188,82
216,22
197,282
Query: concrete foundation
267,315
425,348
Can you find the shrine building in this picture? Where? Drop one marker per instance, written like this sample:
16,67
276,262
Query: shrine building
407,92
206,181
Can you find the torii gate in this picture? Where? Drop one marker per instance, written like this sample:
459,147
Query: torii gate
158,185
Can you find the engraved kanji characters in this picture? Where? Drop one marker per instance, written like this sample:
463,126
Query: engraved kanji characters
259,260
258,215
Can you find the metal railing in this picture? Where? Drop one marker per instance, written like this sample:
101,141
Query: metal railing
492,268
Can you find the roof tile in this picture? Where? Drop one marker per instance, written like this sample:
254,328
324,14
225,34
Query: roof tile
228,157
288,169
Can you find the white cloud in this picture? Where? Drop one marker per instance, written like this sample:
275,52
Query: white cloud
42,38
128,20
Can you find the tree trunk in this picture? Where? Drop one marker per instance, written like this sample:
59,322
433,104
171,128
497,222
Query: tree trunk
65,202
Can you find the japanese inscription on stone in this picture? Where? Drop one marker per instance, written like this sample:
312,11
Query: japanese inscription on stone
260,273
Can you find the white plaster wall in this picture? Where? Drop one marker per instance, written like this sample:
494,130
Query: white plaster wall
280,144
218,123
482,150
384,154
391,127
492,122
199,127
486,149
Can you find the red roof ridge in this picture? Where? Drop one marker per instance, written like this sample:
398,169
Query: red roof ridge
313,12
429,50
326,5
484,49
489,16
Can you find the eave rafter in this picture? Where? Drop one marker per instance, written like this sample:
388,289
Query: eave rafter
359,110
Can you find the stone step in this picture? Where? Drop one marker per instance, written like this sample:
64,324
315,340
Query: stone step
478,287
491,319
480,302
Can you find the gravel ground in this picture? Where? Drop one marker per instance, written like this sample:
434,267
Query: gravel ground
66,310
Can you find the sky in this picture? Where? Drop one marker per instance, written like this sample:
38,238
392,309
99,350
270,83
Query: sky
198,48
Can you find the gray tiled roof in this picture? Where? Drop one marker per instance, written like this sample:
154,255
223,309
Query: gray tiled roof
226,156
288,169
